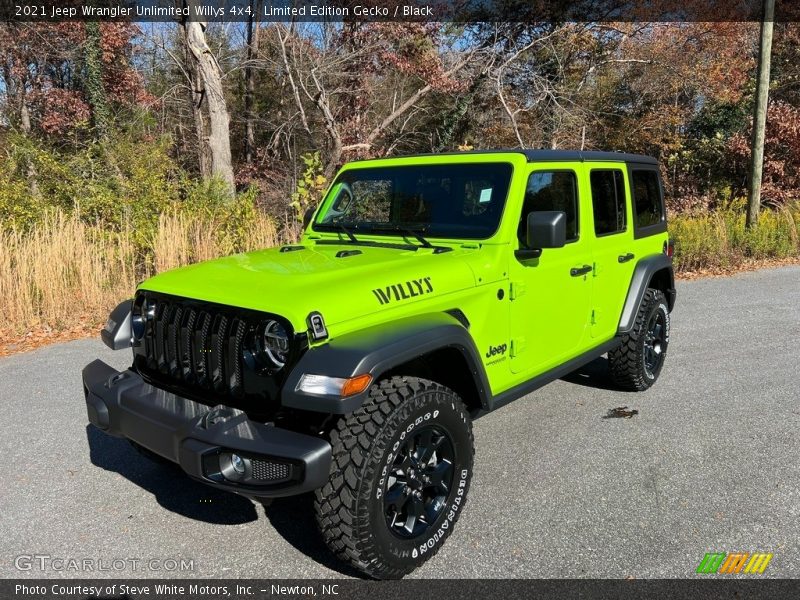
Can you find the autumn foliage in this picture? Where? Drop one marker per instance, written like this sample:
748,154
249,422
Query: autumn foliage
304,98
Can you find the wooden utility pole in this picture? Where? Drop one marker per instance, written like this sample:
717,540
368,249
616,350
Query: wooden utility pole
760,115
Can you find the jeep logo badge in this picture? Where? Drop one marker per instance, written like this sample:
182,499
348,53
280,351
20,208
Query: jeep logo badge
495,350
403,291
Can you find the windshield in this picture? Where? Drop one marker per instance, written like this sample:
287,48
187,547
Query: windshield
450,201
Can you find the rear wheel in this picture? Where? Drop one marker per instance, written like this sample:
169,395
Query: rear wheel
637,362
401,469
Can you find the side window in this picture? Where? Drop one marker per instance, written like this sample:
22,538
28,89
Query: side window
552,190
648,206
608,201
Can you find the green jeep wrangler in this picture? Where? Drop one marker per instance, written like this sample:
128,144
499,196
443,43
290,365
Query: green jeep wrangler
426,291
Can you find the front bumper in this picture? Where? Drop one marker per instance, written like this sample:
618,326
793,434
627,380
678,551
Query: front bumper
199,437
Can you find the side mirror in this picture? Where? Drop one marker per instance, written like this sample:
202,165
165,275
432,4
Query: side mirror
308,215
545,229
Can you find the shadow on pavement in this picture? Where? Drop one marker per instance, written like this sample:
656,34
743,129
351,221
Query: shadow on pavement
171,487
293,519
594,374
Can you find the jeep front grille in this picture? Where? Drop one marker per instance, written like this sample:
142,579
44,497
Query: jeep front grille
204,350
196,347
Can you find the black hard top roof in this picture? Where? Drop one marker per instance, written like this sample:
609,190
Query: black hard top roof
543,155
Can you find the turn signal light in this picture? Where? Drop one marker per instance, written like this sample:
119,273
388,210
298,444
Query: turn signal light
356,385
333,386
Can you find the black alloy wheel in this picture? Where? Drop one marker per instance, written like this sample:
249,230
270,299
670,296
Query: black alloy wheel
655,342
419,482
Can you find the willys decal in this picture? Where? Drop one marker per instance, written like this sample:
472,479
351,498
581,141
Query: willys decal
403,291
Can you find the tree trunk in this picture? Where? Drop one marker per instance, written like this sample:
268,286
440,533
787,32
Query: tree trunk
25,122
760,115
210,75
200,125
95,92
195,101
249,81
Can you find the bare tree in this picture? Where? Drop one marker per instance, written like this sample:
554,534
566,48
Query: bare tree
333,84
212,93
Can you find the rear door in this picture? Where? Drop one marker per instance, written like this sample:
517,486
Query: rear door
649,215
613,247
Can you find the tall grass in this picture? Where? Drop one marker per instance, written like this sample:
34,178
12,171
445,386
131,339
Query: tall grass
719,240
62,271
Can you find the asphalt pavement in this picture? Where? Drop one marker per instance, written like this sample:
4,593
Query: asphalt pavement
711,463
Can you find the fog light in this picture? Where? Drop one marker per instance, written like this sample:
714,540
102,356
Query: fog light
237,462
234,467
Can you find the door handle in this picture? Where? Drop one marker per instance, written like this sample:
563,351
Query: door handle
579,271
626,257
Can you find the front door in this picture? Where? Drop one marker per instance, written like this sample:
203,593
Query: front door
551,295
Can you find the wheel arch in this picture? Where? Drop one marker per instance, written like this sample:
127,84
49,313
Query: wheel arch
652,271
450,367
428,344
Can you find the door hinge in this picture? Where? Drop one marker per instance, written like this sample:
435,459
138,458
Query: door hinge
517,346
517,289
593,320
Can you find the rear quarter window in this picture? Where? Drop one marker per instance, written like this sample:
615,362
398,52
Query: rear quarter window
648,202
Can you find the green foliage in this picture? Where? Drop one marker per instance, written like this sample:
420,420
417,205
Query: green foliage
311,185
123,185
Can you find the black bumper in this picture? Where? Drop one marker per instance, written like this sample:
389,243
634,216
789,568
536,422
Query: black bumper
201,439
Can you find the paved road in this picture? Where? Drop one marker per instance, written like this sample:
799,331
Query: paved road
710,463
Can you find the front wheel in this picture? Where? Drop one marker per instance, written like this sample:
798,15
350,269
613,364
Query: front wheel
637,362
402,465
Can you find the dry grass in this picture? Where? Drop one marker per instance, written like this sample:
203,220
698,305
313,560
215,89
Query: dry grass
59,280
64,275
719,242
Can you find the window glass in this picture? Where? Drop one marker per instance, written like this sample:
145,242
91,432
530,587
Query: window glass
552,190
459,201
608,201
648,207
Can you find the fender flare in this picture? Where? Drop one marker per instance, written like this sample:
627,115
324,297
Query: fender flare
117,332
642,274
375,350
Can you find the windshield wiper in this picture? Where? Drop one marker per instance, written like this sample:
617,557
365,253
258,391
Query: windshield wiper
338,227
415,233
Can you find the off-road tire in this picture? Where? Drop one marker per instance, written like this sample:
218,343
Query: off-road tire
350,508
627,361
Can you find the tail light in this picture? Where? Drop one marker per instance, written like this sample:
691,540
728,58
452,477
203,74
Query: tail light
669,248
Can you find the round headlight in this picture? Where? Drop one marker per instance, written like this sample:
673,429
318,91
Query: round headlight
143,309
276,343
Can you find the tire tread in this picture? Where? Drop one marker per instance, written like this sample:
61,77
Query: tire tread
337,506
625,361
